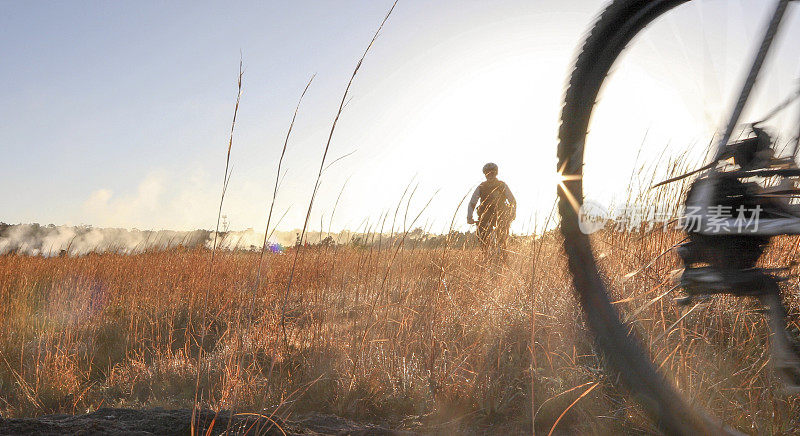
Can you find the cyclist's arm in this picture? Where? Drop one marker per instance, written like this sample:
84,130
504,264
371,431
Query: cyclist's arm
510,197
472,203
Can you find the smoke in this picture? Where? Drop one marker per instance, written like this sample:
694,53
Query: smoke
51,240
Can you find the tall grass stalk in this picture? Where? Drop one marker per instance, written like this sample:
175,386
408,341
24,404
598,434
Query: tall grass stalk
204,320
322,167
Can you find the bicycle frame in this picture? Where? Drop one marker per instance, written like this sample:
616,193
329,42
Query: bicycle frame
706,196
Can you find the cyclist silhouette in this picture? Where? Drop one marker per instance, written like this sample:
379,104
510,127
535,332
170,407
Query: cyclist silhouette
496,210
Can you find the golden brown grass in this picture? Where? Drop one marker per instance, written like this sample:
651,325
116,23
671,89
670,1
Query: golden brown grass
432,339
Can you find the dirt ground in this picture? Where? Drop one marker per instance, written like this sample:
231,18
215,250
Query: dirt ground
133,422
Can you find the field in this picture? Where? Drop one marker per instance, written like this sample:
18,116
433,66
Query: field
394,331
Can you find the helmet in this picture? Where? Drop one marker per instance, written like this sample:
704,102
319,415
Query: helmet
490,167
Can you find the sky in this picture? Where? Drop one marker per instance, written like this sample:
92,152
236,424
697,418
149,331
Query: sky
117,114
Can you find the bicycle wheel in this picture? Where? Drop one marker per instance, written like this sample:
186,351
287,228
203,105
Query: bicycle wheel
620,22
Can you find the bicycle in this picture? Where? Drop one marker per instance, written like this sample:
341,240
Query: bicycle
495,248
714,262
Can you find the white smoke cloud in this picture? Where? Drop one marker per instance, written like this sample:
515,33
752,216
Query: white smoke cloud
51,240
37,240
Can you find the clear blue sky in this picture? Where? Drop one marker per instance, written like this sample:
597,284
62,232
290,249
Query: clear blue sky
117,113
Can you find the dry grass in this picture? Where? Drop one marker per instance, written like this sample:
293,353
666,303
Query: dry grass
430,339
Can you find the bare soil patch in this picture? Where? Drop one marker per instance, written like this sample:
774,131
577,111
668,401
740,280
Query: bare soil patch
109,421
